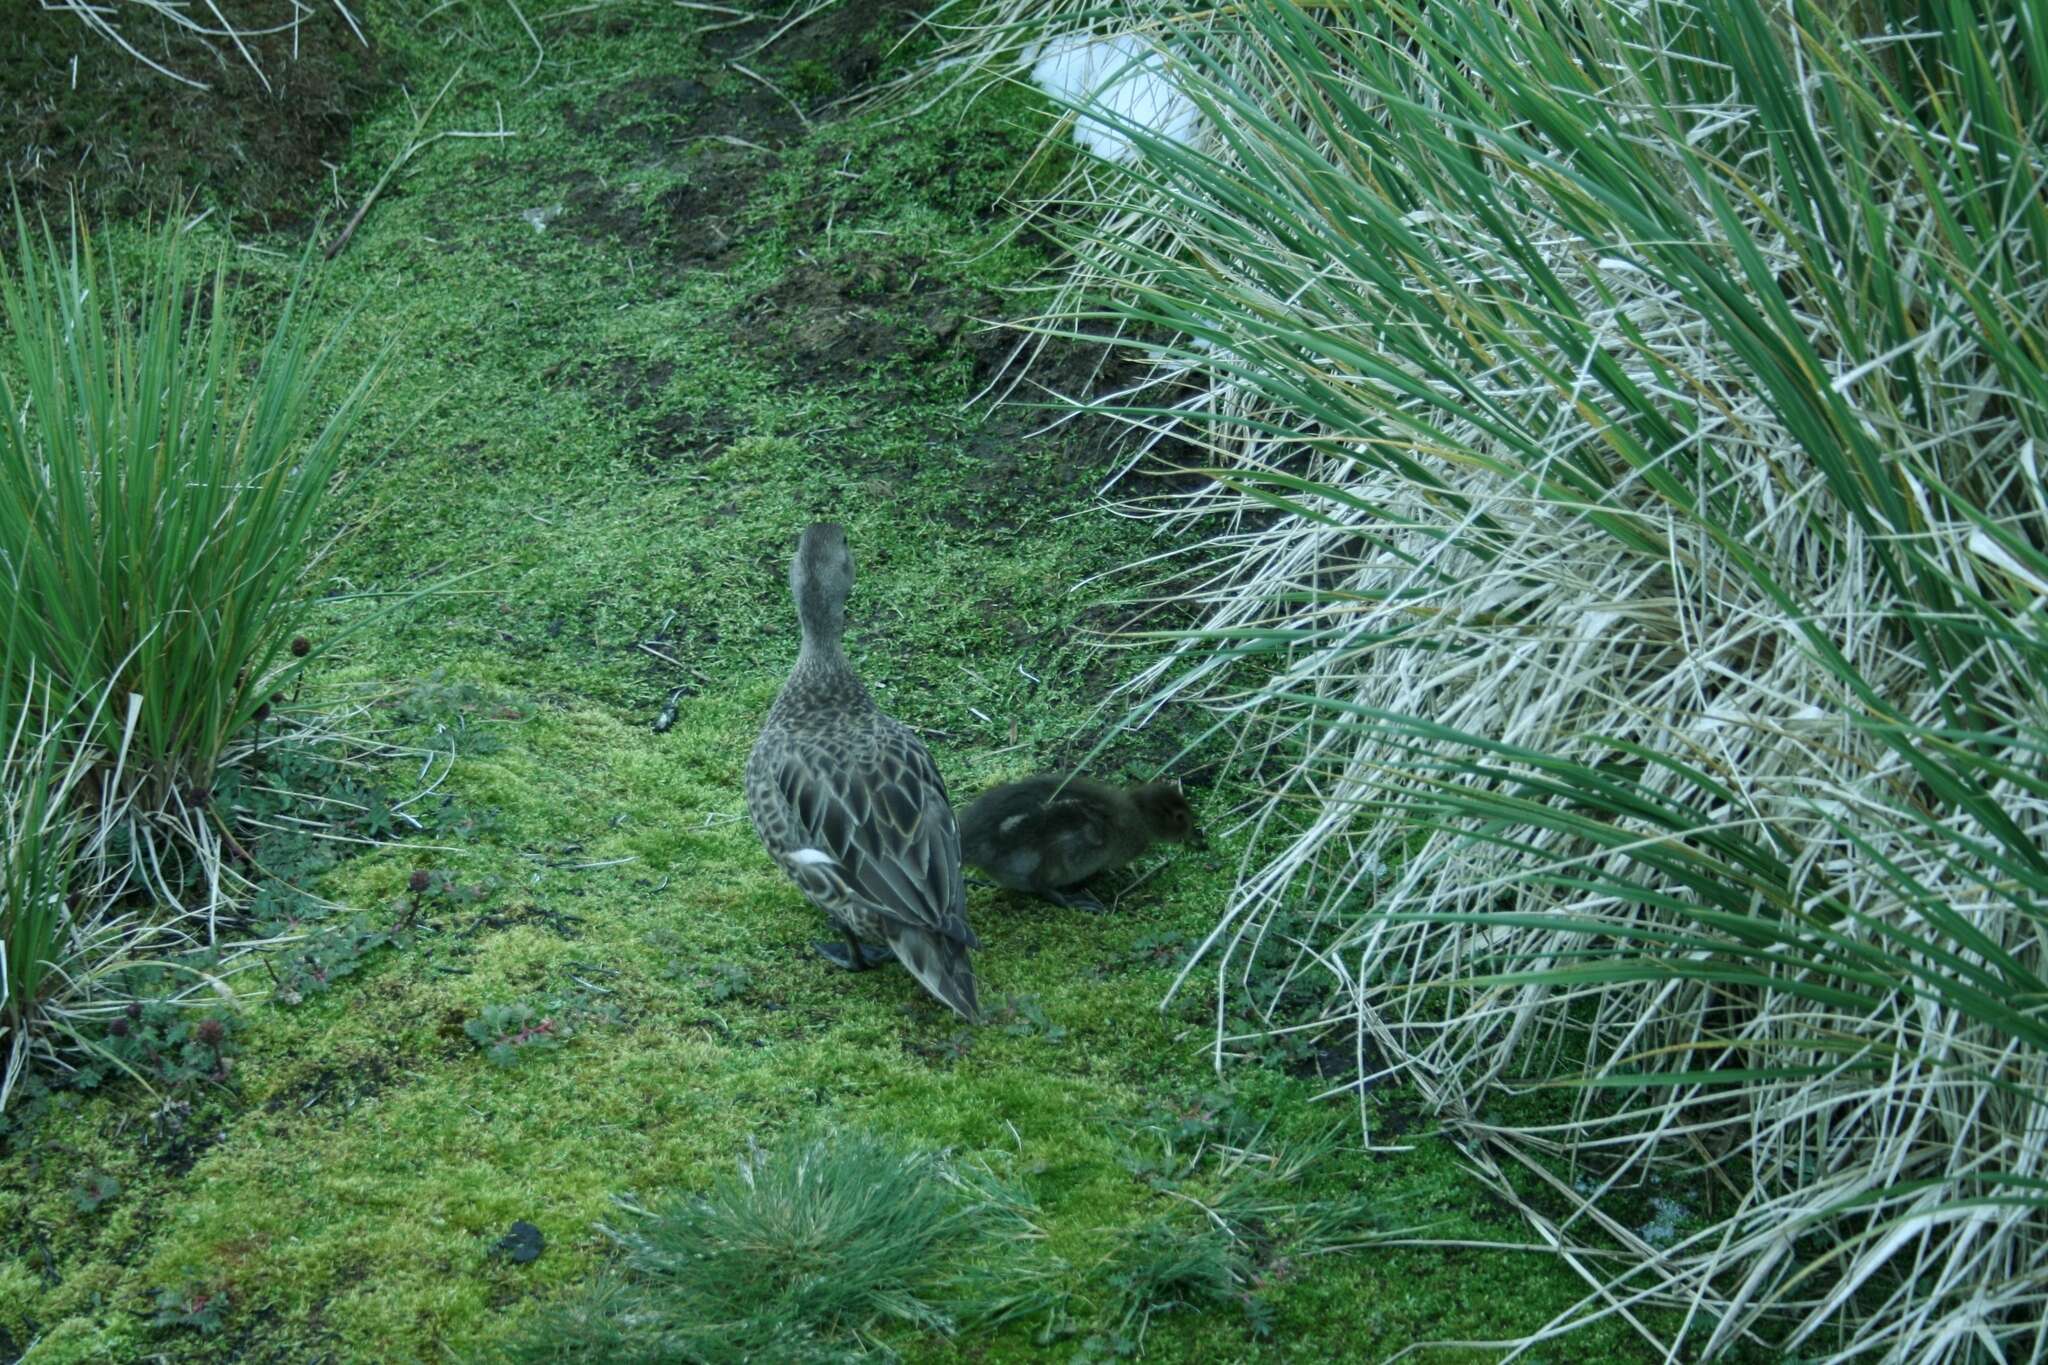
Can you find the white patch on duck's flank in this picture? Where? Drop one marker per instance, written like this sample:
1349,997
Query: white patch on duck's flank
1010,825
811,857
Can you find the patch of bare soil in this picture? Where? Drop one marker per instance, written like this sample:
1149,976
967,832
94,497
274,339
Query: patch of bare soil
829,327
334,1090
837,50
84,115
705,217
722,146
668,113
623,381
685,436
725,141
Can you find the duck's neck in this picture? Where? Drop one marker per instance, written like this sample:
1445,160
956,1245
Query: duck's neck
821,663
821,652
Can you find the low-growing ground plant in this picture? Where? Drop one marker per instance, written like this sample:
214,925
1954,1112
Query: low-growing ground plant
802,1255
90,985
1232,1221
163,470
509,1033
1623,544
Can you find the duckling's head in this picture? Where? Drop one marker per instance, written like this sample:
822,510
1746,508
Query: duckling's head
820,577
1167,813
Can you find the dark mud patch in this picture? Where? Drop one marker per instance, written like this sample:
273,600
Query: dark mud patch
828,326
624,382
1057,371
701,223
704,220
333,1090
666,114
813,324
180,1133
130,139
720,144
1013,466
1397,1114
596,211
722,129
831,53
1334,1063
651,112
560,923
682,438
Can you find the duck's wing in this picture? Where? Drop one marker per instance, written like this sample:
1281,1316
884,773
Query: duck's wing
873,826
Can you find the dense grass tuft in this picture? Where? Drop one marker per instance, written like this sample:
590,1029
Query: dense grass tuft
800,1256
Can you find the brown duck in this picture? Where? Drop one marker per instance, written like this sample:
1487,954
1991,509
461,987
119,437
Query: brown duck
850,805
1049,833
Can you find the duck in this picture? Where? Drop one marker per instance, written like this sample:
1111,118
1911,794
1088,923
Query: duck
1048,833
850,805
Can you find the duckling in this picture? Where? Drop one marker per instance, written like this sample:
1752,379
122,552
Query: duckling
850,805
1048,833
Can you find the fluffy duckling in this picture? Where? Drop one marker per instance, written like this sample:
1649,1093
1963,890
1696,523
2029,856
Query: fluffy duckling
1048,833
851,807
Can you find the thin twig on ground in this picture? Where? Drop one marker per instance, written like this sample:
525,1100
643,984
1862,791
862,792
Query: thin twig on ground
539,53
794,107
414,145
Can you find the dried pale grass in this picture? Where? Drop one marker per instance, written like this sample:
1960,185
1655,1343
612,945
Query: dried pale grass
213,29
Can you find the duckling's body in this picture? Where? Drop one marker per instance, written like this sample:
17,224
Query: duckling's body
1049,833
850,805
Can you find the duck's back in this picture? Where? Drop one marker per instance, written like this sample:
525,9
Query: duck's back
849,801
820,721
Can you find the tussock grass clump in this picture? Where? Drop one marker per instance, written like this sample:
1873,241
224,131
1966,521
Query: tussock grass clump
41,839
70,947
801,1255
1625,558
162,478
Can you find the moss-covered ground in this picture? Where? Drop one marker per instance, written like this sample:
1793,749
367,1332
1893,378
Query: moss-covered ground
632,349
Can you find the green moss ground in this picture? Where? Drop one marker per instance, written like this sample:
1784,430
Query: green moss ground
615,427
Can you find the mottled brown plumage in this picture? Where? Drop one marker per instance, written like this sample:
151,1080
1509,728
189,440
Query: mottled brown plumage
1048,833
850,805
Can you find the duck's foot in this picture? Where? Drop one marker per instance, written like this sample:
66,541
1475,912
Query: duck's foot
850,954
1073,900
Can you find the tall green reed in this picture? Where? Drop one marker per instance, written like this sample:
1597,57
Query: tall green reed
163,471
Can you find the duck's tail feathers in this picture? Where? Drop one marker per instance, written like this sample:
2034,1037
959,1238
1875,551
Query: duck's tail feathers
941,965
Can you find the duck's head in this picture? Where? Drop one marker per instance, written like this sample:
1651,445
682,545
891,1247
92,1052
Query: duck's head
820,577
1167,812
